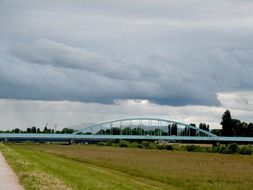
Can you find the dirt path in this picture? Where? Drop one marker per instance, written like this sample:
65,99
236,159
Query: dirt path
8,179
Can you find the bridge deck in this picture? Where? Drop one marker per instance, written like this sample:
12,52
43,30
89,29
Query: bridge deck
68,137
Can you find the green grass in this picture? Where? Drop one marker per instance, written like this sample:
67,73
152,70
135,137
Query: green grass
40,170
31,174
93,167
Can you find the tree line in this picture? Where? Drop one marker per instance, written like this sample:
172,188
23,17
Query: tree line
230,127
34,129
234,127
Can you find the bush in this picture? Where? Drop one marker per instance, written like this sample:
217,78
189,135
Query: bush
221,149
133,145
178,147
233,147
123,143
145,144
246,150
140,146
168,147
230,149
191,148
215,149
226,150
108,143
114,145
152,145
164,147
160,146
195,148
100,144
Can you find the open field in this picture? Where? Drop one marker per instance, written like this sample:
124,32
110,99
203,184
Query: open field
93,167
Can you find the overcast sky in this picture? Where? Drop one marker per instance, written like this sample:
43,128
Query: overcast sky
70,62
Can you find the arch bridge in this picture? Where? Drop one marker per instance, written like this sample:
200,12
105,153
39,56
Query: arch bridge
131,129
144,127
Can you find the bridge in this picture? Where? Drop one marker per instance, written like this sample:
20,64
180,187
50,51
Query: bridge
131,129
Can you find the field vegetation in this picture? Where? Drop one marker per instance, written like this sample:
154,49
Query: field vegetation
232,148
104,167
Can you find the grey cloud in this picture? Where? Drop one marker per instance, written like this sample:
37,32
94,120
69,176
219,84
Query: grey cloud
168,52
57,54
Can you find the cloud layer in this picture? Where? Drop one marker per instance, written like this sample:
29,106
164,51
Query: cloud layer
168,52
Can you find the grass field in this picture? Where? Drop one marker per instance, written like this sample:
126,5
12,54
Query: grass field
93,167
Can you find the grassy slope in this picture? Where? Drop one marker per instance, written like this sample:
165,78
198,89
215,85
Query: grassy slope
179,169
40,170
31,174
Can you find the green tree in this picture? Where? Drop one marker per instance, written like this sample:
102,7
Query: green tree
38,130
45,130
174,129
227,124
169,129
115,131
250,130
236,127
158,132
127,131
33,129
204,127
192,132
65,131
216,132
28,130
17,130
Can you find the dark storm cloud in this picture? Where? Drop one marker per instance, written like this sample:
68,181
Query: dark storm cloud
168,52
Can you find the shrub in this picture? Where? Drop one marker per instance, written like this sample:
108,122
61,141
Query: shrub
195,148
246,150
145,144
160,146
140,146
133,145
178,147
233,148
221,149
215,149
168,147
225,150
152,145
108,143
164,147
100,144
191,148
123,143
230,149
114,145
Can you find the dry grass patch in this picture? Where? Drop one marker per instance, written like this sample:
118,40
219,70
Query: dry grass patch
49,171
188,170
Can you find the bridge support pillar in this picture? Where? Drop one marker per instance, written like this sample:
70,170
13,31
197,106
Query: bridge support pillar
71,141
217,143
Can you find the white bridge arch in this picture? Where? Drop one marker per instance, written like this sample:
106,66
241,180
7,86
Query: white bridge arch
144,127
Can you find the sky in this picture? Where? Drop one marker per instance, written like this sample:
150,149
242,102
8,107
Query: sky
68,62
